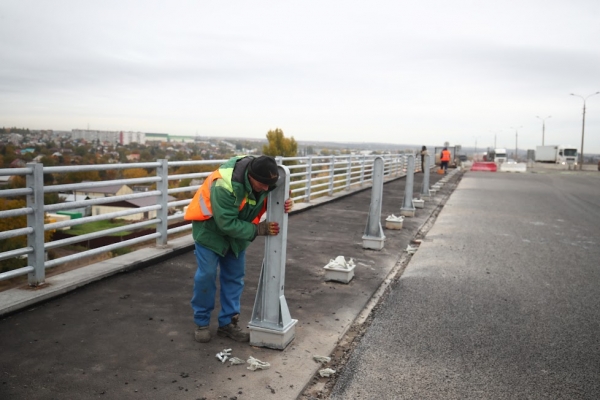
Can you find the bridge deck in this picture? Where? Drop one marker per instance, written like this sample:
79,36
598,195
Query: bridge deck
131,335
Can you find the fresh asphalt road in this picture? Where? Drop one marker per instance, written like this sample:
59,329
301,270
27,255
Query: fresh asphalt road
501,301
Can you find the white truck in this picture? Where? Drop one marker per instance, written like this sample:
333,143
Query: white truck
500,156
556,154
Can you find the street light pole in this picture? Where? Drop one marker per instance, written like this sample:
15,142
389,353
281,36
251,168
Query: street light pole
495,132
544,126
516,142
583,123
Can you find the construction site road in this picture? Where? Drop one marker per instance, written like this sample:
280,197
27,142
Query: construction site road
501,301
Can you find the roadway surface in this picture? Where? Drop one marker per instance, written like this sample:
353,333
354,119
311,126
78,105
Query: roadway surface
501,301
130,336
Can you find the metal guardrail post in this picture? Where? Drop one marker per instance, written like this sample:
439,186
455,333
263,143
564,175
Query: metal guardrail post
362,170
332,176
374,237
272,325
408,208
349,173
308,178
426,172
163,214
35,239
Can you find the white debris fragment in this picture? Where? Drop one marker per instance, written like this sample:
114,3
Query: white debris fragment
411,249
321,359
327,372
236,361
257,364
224,355
340,262
393,218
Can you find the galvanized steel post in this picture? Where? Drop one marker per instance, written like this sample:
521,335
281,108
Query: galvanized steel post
374,237
308,178
35,220
349,172
362,170
408,208
163,213
426,171
332,176
271,324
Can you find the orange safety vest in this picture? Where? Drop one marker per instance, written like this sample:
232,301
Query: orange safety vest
200,208
445,155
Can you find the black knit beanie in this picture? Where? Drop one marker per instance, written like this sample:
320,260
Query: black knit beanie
264,169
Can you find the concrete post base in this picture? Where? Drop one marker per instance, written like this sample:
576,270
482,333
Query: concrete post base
373,243
394,224
343,275
272,338
407,212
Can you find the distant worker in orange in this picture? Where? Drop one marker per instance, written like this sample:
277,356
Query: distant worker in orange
445,159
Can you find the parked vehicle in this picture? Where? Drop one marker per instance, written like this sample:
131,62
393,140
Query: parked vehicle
556,154
500,156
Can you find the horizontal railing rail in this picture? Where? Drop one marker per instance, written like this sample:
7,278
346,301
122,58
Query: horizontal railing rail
29,223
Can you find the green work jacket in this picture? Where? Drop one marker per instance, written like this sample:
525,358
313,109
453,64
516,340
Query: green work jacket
230,228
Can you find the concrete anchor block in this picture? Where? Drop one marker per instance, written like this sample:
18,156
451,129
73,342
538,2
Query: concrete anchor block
339,270
343,275
273,338
393,222
407,212
373,243
419,203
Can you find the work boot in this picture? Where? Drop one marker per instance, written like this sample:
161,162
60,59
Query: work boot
202,334
233,331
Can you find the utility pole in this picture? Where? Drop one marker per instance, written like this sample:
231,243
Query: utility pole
544,126
516,142
583,124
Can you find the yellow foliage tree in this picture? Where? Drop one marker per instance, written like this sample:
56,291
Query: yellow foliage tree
279,145
135,173
18,242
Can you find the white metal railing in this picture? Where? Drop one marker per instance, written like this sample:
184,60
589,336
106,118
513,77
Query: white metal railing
311,177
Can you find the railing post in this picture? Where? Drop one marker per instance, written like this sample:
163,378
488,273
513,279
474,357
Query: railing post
163,214
308,177
35,220
271,324
362,170
331,178
408,208
426,171
374,237
349,172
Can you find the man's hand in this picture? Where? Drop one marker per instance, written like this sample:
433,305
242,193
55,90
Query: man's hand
267,228
288,205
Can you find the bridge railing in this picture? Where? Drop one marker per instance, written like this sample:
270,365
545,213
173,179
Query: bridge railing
154,214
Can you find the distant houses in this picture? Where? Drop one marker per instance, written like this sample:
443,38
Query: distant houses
118,205
124,205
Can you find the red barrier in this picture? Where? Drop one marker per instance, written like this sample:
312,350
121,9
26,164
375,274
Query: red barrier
484,166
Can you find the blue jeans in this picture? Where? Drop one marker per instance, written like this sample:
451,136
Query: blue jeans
231,278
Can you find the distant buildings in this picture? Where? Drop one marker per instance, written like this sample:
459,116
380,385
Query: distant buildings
119,137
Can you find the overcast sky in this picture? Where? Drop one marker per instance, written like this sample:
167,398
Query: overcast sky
412,72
